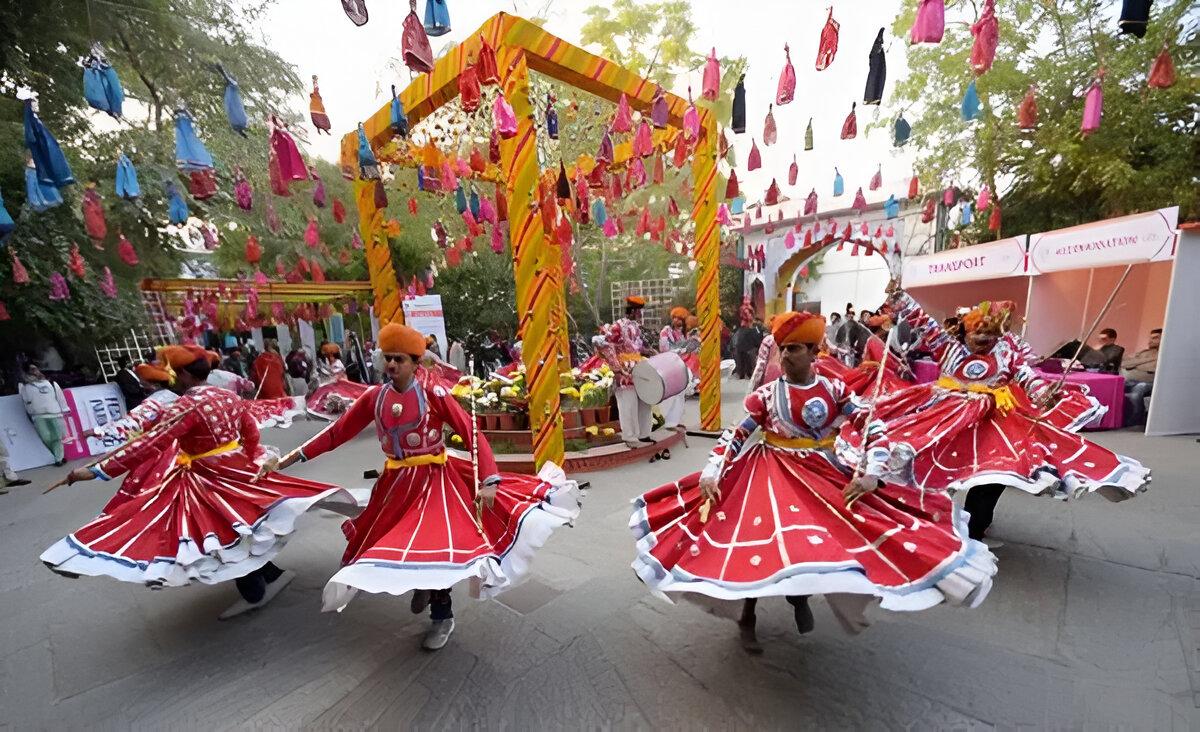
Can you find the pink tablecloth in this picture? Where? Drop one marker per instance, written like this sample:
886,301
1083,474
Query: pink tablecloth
925,371
1108,389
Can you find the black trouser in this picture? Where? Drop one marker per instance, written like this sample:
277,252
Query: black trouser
253,586
440,605
981,504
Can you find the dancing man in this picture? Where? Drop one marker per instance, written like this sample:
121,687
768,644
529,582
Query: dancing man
625,335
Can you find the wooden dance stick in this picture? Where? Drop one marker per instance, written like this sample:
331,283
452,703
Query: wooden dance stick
117,449
475,452
861,467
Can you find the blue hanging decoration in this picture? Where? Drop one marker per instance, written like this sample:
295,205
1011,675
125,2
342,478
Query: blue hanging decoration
460,199
101,85
51,164
367,164
902,131
839,185
38,195
551,118
966,213
891,207
190,153
235,110
177,208
6,222
399,116
473,203
420,177
737,205
970,103
437,18
599,212
127,181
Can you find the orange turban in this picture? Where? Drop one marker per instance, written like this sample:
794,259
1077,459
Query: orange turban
636,301
692,321
989,317
397,338
798,327
214,358
152,372
179,356
680,312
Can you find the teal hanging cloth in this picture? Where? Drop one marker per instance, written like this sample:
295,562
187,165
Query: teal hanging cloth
891,207
367,164
177,209
460,199
399,118
970,103
839,185
902,131
51,164
6,222
38,195
437,18
101,86
190,153
235,110
473,203
127,181
737,205
599,212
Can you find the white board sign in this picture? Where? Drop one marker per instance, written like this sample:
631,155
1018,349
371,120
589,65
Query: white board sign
423,313
1144,237
1003,258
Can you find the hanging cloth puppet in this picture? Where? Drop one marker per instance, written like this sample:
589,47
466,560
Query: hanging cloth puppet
737,119
437,18
850,126
891,207
485,66
316,109
754,160
769,131
860,202
1027,112
190,153
876,180
877,73
712,77
810,203
771,198
643,140
416,52
398,118
994,217
659,112
786,91
177,208
242,193
469,91
504,120
930,23
551,118
287,154
914,188
368,166
235,110
839,185
808,136
127,180
40,196
1162,72
984,199
93,216
51,164
901,131
356,11
970,103
827,48
101,87
1135,14
987,36
622,118
691,120
1093,106
793,171
731,185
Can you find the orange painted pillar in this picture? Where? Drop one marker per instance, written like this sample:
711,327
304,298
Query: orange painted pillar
708,260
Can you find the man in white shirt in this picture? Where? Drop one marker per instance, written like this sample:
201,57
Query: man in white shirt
46,406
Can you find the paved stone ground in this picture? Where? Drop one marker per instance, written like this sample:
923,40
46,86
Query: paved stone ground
1094,623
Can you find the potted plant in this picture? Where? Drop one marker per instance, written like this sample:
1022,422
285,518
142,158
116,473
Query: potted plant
569,399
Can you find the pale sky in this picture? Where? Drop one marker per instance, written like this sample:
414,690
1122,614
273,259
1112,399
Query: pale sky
351,62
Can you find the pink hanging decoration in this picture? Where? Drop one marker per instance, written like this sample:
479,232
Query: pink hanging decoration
93,215
449,179
810,203
58,287
827,48
318,192
877,179
769,130
260,279
339,211
637,173
126,251
691,120
610,227
930,23
850,126
312,235
712,77
643,141
209,234
356,241
914,188
793,172
754,160
273,222
287,155
789,240
659,112
414,41
20,275
504,120
984,199
605,153
860,201
497,239
487,212
680,154
623,119
786,90
949,196
462,168
75,262
1162,72
723,216
1093,106
108,285
242,192
987,36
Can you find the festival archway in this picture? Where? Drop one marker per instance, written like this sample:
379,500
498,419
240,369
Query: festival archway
520,46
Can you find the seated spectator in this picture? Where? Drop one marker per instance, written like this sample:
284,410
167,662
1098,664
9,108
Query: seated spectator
1106,357
1138,371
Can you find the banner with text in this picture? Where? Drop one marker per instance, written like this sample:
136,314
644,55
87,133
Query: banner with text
1144,237
1003,258
423,313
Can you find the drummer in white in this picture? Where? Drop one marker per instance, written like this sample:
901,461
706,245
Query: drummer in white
625,335
673,337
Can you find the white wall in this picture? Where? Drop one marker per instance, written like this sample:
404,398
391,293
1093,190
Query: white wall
1175,402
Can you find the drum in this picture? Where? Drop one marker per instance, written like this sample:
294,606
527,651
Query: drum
660,377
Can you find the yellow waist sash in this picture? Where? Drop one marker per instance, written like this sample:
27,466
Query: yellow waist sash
798,443
630,357
185,459
1002,394
415,460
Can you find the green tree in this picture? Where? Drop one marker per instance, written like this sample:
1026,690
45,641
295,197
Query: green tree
1144,156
